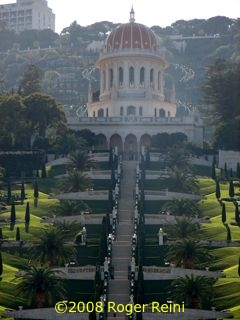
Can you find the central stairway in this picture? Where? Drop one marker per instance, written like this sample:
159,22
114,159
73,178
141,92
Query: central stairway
121,250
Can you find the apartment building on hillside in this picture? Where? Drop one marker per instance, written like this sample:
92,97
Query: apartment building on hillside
27,15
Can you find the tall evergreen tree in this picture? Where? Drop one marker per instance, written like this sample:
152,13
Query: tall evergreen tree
231,189
9,193
224,213
218,192
35,194
238,171
12,216
23,195
1,234
1,264
18,236
213,171
30,82
27,214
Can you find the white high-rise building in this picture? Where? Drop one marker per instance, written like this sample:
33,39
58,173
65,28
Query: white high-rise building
27,15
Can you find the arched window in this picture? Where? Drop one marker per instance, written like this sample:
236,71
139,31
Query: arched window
121,111
110,78
131,76
131,111
120,76
151,77
162,113
93,114
140,111
142,76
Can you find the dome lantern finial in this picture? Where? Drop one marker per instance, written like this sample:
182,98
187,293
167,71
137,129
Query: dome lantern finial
132,15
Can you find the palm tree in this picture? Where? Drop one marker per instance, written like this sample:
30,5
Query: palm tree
182,207
177,158
51,248
187,253
193,290
70,207
41,286
75,182
184,228
67,229
80,160
182,181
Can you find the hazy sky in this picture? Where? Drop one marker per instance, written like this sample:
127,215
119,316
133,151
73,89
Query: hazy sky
148,12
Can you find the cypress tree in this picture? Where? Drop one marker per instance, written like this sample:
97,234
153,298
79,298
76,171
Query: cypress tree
1,234
238,170
213,171
44,172
23,195
237,218
218,192
13,214
229,236
231,189
223,213
9,193
12,217
225,170
18,237
36,194
27,214
239,266
1,264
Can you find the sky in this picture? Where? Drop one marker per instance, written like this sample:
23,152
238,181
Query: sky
148,12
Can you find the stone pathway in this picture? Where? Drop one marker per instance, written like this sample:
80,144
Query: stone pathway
121,252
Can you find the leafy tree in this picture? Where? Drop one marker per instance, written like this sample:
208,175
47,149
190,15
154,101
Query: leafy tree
51,248
193,290
221,92
41,286
12,124
75,182
187,253
30,82
182,207
43,113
